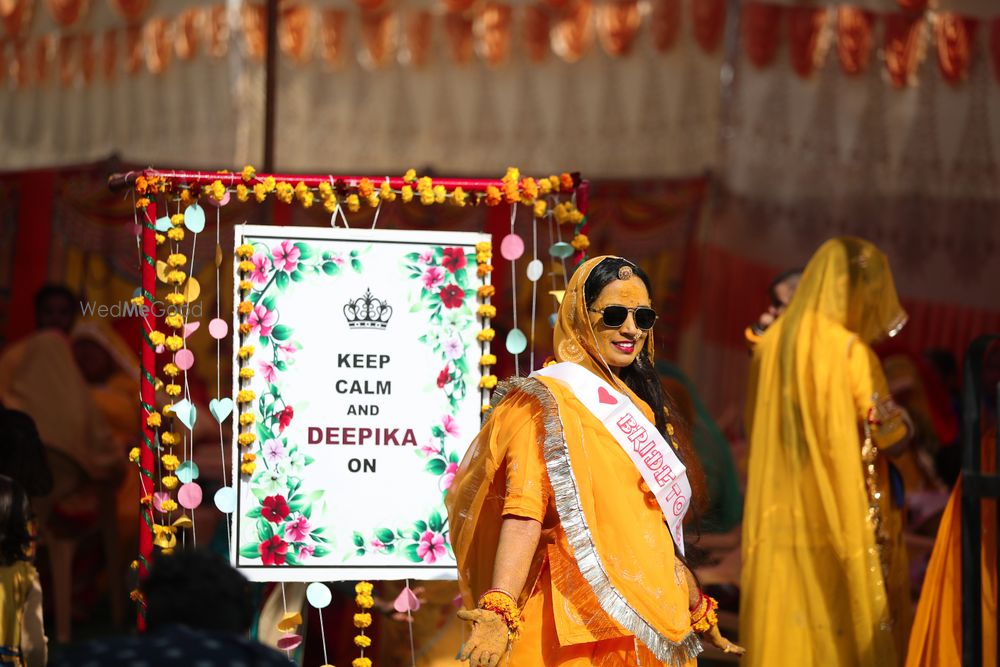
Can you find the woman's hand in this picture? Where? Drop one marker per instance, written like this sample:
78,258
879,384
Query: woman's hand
716,639
488,641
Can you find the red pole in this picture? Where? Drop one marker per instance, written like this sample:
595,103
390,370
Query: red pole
147,395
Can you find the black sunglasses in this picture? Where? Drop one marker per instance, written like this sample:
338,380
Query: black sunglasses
615,316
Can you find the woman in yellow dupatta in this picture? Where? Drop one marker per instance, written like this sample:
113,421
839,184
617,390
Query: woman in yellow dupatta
824,569
552,525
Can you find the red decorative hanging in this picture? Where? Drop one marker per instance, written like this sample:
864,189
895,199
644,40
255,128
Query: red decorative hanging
130,10
805,27
492,29
955,36
617,22
16,14
109,52
995,47
88,58
535,23
458,30
572,34
418,37
665,24
66,12
854,39
761,24
709,19
902,47
293,31
157,43
254,33
332,35
65,58
186,33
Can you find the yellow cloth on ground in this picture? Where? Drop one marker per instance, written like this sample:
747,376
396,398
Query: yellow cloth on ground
813,592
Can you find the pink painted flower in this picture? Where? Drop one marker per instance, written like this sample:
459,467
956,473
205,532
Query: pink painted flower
274,452
426,257
431,546
288,348
337,259
433,276
267,370
306,551
262,320
429,448
297,530
450,425
286,256
261,267
453,348
449,476
377,544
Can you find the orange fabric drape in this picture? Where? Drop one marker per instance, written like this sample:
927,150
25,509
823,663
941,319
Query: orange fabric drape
418,37
709,18
186,33
378,32
88,58
254,33
492,29
16,15
217,31
332,35
572,34
130,10
955,37
109,64
902,47
854,39
67,12
43,51
67,59
133,49
665,24
458,29
761,25
536,32
995,47
294,36
617,24
805,27
157,45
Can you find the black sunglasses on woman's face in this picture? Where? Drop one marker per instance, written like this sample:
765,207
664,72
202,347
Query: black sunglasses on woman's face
615,316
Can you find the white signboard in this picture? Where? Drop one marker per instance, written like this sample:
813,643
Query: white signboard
365,396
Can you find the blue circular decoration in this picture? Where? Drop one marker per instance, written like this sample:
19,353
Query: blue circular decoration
225,500
516,341
561,250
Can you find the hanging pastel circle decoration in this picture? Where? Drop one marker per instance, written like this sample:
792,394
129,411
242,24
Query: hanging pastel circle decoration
225,500
511,247
319,595
218,328
194,218
184,359
535,270
516,341
190,495
561,250
187,472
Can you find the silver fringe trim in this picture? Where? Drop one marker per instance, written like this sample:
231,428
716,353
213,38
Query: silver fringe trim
578,534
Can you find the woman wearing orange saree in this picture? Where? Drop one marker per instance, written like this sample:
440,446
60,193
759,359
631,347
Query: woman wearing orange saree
824,569
566,513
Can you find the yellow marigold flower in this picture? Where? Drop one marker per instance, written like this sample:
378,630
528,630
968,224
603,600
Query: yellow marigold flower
246,439
246,328
487,310
540,207
270,183
364,587
307,199
175,234
247,418
169,439
174,343
153,420
365,188
483,269
484,246
171,369
486,335
146,499
245,308
554,183
410,175
510,193
156,337
245,396
245,266
493,196
580,242
488,360
385,192
134,565
248,172
173,389
161,239
138,300
170,462
259,192
407,194
175,320
566,181
169,505
512,175
246,285
440,194
330,205
284,192
362,641
545,186
483,257
170,482
248,468
484,408
459,196
186,196
241,192
364,601
300,190
143,202
353,205
176,277
325,189
576,216
136,595
168,410
427,197
486,291
362,620
176,298
361,662
425,183
249,458
133,455
529,189
245,352
141,184
487,381
177,219
218,190
246,373
244,251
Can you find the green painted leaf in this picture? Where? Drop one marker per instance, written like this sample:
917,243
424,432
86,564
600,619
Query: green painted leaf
309,461
453,457
359,540
264,341
434,522
249,551
411,553
436,466
254,513
281,280
282,332
354,253
421,526
319,552
291,559
360,552
356,265
281,365
462,278
298,276
330,268
412,256
390,548
305,250
307,511
385,535
254,297
439,252
264,530
269,302
437,432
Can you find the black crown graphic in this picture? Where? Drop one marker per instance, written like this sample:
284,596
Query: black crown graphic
367,312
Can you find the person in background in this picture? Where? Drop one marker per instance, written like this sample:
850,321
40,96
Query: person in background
825,577
22,633
198,611
780,293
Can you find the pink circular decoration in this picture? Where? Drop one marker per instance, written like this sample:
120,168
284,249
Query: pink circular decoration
289,642
184,359
218,328
159,349
189,495
223,202
511,247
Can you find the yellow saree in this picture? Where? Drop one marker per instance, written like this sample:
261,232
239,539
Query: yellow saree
813,589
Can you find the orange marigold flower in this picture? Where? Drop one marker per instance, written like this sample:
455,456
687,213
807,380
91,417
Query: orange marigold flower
365,188
493,196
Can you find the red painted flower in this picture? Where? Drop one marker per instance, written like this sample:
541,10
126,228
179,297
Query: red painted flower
275,509
273,551
285,418
454,259
443,377
452,296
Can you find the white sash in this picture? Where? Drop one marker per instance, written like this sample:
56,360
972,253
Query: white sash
652,456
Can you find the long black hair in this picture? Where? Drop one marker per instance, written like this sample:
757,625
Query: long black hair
15,538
